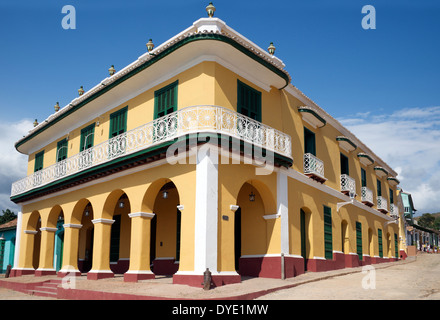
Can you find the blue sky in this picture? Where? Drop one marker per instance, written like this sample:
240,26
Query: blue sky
381,83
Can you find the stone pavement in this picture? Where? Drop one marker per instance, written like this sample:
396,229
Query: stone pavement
162,288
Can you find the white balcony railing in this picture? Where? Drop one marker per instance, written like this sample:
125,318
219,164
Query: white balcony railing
382,204
196,119
348,184
367,196
394,211
313,166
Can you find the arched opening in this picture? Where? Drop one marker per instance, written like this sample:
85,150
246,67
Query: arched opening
86,234
165,230
59,243
33,228
251,234
120,231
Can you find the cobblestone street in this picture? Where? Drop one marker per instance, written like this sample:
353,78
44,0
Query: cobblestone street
419,279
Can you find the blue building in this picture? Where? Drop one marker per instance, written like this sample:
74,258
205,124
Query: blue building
7,244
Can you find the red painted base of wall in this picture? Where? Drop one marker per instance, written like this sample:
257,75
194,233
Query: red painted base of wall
197,280
70,274
270,267
40,273
341,261
19,273
164,267
135,277
99,275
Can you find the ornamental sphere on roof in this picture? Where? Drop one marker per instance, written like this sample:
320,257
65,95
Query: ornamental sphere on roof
210,9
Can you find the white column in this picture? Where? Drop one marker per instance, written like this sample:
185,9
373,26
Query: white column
283,210
18,238
206,211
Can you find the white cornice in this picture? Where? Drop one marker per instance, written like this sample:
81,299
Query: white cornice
337,125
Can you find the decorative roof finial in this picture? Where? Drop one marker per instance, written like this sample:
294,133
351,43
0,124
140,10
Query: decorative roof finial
112,70
150,45
210,9
81,91
57,107
271,49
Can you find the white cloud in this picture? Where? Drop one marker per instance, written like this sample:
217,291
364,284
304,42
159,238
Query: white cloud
409,141
13,164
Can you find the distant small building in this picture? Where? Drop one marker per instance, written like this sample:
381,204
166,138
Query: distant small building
7,244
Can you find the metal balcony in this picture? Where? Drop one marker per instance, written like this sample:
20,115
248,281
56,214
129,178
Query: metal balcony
367,196
382,204
348,184
314,168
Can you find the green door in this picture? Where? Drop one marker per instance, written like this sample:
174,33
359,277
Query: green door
59,250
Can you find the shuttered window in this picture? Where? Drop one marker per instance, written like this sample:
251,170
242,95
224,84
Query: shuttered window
39,157
118,122
391,196
61,150
396,246
379,236
165,100
379,188
328,241
249,101
87,137
309,142
359,239
363,177
344,165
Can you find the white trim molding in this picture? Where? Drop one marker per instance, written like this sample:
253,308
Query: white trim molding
104,221
271,216
30,231
49,229
141,214
72,225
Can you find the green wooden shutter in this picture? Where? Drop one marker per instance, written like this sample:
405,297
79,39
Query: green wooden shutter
39,158
115,239
165,100
118,122
248,101
328,241
61,150
391,196
309,142
363,177
379,236
396,246
344,165
2,255
359,240
87,137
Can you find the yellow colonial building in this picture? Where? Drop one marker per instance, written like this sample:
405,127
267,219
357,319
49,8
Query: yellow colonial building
201,154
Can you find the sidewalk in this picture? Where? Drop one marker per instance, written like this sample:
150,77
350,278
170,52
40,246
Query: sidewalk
162,288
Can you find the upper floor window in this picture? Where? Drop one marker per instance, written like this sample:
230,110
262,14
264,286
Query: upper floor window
391,196
248,101
165,100
118,122
344,165
309,142
39,161
87,137
379,188
62,150
363,177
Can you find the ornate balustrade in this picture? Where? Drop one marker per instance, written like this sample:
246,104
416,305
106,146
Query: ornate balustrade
195,119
